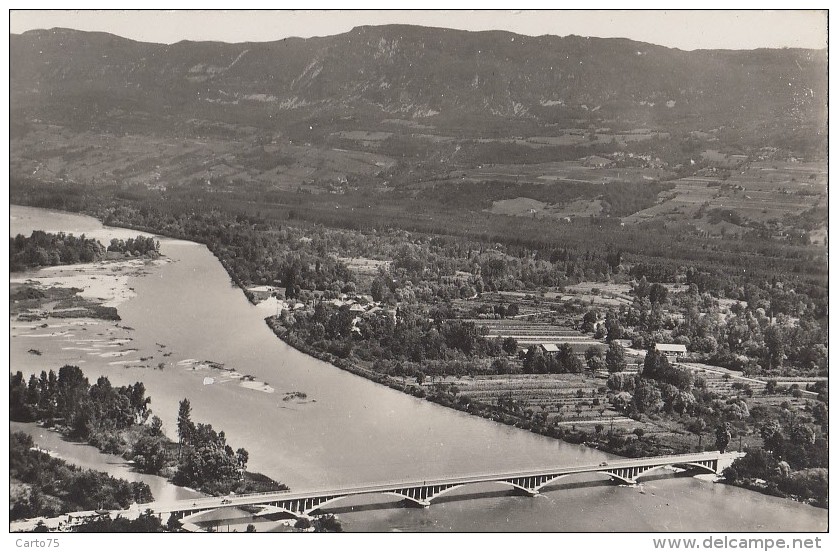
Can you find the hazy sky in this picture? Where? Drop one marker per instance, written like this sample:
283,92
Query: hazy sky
687,30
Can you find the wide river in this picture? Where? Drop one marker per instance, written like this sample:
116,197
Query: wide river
349,430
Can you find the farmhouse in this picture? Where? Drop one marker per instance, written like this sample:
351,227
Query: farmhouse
673,351
549,348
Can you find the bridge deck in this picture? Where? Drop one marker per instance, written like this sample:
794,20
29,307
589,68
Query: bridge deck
262,498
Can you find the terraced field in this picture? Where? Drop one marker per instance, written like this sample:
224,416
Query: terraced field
563,397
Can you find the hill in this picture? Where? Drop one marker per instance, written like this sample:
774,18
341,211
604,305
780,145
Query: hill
401,109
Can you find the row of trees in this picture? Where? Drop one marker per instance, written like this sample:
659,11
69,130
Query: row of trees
44,249
97,413
138,246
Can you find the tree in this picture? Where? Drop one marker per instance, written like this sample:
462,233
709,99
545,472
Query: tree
614,258
697,426
722,436
657,294
185,427
820,413
327,524
589,321
568,361
594,360
149,454
647,397
156,426
534,361
510,345
615,358
654,364
173,525
775,346
613,330
772,437
242,456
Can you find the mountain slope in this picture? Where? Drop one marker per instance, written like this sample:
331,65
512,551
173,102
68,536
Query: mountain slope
416,72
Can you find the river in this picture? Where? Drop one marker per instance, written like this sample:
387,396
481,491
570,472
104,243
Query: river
349,430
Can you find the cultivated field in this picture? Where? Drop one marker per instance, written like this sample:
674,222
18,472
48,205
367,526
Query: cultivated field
762,192
564,171
243,156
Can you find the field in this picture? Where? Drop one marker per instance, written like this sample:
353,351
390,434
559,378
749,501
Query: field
559,172
571,398
601,293
368,268
523,206
243,157
761,192
535,333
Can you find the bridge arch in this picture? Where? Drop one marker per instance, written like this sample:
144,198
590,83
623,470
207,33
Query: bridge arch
553,480
321,505
443,491
521,488
700,466
615,476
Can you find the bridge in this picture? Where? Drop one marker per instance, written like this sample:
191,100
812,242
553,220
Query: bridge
418,493
421,493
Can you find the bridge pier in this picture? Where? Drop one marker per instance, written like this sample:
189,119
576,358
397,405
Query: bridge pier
522,491
414,503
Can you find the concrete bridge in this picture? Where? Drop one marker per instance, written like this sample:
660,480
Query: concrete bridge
421,493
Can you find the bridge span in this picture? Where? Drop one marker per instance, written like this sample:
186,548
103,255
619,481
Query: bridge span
421,493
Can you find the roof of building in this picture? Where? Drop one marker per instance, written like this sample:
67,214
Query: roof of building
670,348
550,347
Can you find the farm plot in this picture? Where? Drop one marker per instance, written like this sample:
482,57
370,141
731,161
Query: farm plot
761,192
537,333
523,206
564,171
602,293
563,397
365,267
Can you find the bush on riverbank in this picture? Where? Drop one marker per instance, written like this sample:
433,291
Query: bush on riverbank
761,470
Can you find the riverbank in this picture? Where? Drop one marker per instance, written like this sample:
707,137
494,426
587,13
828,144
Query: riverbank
617,442
626,446
69,300
358,432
